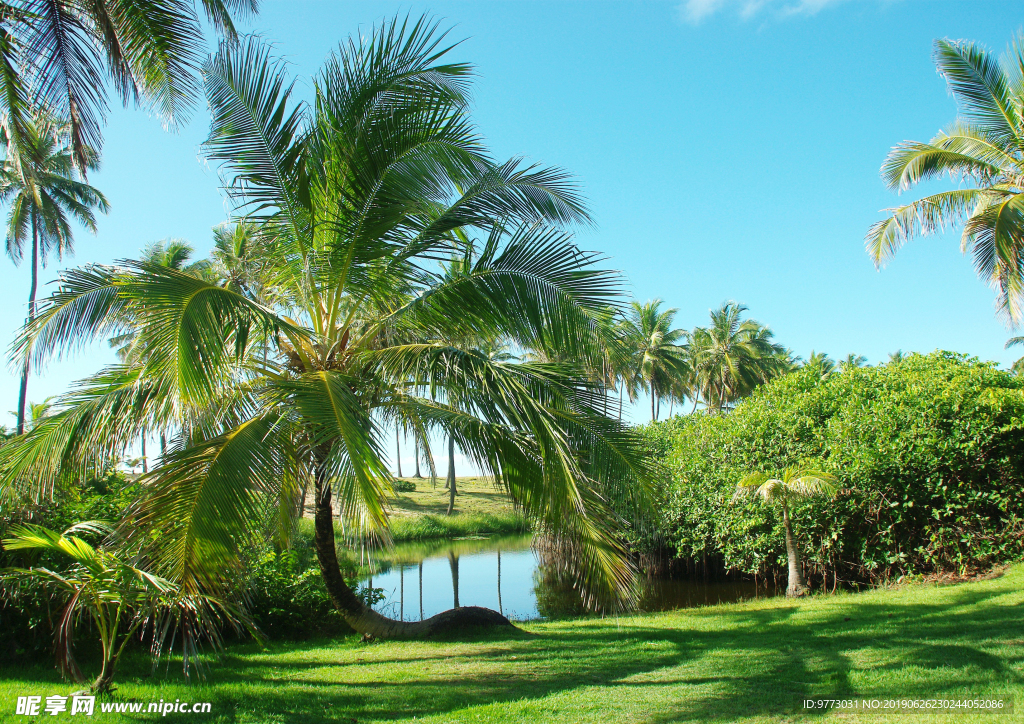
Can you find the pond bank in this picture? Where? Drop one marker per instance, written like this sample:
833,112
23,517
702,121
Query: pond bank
421,514
752,663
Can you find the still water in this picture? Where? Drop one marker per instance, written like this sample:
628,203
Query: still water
507,575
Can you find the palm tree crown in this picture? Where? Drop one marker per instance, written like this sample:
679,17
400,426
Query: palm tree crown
358,199
733,355
657,358
982,151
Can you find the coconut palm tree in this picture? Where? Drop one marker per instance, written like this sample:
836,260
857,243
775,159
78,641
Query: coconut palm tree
733,355
981,153
1017,366
853,361
359,197
795,484
821,363
41,185
60,56
657,356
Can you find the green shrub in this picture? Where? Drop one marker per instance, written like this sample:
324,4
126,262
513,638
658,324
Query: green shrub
404,486
929,452
288,600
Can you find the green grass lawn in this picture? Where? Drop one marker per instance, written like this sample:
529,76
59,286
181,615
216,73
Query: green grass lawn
480,508
747,662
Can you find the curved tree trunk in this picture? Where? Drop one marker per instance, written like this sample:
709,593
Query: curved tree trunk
361,617
796,585
416,450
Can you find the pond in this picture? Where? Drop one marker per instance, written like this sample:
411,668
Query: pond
506,574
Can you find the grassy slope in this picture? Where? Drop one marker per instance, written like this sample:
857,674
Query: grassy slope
749,662
479,508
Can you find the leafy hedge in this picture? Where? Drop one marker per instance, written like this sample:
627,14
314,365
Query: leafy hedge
929,451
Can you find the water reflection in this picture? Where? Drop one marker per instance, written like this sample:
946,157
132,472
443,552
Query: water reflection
507,575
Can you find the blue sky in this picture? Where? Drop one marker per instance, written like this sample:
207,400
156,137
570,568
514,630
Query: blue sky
729,149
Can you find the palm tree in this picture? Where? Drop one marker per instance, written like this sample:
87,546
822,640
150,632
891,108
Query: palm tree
60,56
821,363
795,484
359,198
657,356
853,361
40,184
981,152
117,598
733,355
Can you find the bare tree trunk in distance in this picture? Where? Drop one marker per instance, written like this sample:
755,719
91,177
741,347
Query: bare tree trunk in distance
452,492
398,454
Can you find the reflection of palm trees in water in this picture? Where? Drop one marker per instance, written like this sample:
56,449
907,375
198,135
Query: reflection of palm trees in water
499,584
421,590
453,562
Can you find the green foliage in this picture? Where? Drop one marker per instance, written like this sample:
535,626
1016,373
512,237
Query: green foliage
288,598
927,450
451,526
403,486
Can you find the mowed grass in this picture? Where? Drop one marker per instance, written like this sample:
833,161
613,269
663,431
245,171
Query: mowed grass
480,508
749,662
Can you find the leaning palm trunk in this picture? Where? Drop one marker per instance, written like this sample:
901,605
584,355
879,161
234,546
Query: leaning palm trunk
361,617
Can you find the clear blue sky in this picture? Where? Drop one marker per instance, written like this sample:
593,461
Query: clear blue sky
729,149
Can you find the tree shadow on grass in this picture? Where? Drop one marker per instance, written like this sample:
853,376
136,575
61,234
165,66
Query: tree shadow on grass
741,662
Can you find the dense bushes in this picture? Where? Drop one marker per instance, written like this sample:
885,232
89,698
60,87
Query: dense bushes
929,451
283,590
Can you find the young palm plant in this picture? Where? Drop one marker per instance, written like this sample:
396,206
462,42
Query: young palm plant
795,483
117,598
359,199
981,152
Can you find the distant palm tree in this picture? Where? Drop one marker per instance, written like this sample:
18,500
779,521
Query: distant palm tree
41,185
658,358
853,361
1018,366
733,355
62,56
981,152
821,363
795,483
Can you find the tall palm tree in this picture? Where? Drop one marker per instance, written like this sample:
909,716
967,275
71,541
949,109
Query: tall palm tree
733,355
360,197
657,355
60,55
795,483
45,194
981,152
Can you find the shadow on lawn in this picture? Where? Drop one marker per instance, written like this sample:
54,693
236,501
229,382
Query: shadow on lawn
764,662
